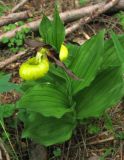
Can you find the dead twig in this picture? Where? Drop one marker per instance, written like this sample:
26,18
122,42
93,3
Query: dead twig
12,59
2,148
68,150
14,17
19,5
122,150
86,36
105,133
101,141
82,21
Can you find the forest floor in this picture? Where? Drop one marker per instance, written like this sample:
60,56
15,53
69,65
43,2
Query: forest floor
97,139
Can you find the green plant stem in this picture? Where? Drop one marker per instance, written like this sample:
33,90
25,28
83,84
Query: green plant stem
4,129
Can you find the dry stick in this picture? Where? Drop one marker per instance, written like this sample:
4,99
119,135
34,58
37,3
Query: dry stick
4,149
85,35
12,59
0,154
68,150
88,19
14,17
98,135
101,141
122,150
19,5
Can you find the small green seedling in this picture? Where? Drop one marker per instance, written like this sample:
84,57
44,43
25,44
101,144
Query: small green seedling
93,129
57,152
16,43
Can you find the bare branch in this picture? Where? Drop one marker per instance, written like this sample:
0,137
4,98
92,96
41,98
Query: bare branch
14,17
12,59
88,19
19,5
2,148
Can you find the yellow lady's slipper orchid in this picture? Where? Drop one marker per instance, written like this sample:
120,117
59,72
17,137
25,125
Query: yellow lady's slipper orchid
63,55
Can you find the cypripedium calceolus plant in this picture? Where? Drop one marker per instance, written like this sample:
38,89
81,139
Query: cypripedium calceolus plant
53,106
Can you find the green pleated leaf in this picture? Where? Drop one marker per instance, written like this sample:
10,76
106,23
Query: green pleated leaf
110,56
5,85
53,32
45,30
73,50
104,92
118,47
48,131
87,62
47,100
58,31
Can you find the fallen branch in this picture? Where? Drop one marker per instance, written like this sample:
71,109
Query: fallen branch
88,19
19,5
12,59
14,17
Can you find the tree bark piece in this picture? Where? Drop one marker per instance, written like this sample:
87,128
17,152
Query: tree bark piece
19,5
96,13
14,17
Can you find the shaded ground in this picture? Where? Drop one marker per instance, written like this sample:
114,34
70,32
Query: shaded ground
102,141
